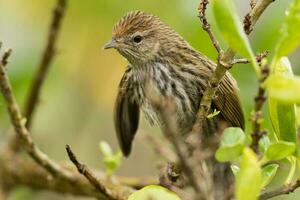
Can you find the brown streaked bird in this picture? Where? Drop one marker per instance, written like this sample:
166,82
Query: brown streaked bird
159,55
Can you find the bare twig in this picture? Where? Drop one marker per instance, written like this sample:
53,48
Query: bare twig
161,148
286,189
91,177
257,115
5,57
49,51
251,18
252,3
259,58
19,125
206,25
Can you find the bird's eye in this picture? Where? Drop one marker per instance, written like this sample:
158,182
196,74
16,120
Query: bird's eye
137,39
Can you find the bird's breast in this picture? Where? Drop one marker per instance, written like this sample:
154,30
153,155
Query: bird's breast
167,83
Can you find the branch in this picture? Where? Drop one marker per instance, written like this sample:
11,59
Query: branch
286,189
258,113
17,171
19,126
91,177
259,58
49,51
167,108
251,18
206,25
224,63
252,3
160,148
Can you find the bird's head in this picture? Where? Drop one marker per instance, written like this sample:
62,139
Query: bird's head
139,36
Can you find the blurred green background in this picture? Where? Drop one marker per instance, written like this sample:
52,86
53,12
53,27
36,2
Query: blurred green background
77,101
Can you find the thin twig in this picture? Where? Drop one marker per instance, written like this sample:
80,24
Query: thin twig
251,18
258,113
161,148
252,3
91,177
45,63
19,125
206,26
5,57
259,58
286,189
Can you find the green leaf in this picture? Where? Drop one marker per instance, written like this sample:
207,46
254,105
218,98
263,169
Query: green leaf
235,169
248,180
264,143
280,150
284,88
290,31
298,116
232,144
111,161
232,30
281,101
268,173
153,192
213,114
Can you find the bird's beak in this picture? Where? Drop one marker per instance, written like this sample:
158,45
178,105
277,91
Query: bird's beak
110,44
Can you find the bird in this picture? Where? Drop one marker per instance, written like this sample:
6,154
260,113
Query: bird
157,54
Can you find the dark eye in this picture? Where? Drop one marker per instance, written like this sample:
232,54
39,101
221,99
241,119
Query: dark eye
137,39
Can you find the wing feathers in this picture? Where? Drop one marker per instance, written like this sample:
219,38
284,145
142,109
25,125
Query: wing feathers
227,101
126,119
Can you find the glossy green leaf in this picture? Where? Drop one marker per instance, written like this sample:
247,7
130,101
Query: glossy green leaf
281,101
290,31
284,88
268,173
232,144
232,30
249,178
280,150
153,192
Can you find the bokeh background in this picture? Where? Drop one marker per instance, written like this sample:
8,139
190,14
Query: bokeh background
77,101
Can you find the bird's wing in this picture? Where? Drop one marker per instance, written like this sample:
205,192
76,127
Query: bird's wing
126,117
227,101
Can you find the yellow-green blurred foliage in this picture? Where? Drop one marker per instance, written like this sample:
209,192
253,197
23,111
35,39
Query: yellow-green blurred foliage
77,101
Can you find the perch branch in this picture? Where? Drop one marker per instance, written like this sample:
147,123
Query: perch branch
286,189
91,177
45,63
18,171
